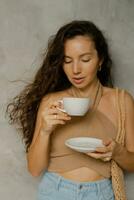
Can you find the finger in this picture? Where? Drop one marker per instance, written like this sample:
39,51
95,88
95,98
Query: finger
109,154
108,148
59,105
54,104
103,155
53,111
93,155
100,155
109,145
107,142
101,149
56,122
106,159
56,111
61,117
58,117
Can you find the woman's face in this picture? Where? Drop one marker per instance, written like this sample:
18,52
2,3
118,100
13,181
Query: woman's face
81,61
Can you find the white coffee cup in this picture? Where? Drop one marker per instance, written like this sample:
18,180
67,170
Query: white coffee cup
75,106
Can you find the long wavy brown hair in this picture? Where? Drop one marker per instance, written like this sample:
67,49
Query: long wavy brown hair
51,78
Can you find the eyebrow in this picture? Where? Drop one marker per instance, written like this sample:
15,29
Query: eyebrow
88,53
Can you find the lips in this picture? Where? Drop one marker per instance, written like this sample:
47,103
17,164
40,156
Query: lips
78,80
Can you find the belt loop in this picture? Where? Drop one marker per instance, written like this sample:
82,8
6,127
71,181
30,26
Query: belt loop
58,182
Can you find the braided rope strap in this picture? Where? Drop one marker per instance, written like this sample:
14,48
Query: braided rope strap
116,172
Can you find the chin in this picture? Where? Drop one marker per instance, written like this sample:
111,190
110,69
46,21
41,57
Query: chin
80,86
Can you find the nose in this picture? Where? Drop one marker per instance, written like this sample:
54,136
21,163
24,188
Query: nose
76,68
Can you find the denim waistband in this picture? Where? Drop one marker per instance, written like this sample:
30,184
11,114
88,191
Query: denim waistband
63,182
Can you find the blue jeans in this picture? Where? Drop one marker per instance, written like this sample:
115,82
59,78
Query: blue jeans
55,187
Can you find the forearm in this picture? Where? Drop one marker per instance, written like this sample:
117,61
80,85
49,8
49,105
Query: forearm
124,158
38,154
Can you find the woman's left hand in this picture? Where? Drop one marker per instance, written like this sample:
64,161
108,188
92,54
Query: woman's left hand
104,153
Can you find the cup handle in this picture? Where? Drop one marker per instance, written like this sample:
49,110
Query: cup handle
61,101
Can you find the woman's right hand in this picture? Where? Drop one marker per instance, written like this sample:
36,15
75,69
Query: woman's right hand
52,116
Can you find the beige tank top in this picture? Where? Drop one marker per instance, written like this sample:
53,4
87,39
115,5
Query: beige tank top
93,124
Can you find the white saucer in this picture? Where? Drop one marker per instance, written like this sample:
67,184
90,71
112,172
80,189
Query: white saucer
84,144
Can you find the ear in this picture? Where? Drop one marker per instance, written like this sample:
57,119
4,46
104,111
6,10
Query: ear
101,61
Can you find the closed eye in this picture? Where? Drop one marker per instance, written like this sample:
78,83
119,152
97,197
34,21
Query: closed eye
86,60
67,62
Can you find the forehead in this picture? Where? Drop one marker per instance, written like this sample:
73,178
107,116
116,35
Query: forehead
79,43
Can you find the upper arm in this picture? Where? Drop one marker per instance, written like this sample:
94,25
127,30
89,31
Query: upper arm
129,122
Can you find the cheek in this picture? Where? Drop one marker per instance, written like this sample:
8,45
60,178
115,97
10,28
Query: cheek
91,70
66,70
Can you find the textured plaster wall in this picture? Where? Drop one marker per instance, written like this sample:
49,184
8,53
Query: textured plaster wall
24,30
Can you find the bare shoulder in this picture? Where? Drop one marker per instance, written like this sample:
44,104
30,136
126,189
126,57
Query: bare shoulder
48,99
129,98
109,94
53,96
129,102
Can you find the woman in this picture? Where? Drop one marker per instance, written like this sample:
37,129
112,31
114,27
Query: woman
77,63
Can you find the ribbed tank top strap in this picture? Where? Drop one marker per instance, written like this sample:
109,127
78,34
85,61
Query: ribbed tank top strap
123,116
120,102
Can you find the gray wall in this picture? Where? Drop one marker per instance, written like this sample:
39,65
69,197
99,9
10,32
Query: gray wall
24,30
